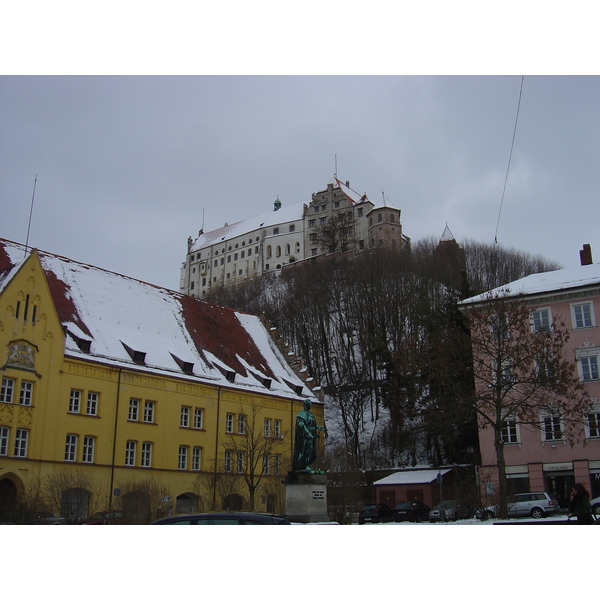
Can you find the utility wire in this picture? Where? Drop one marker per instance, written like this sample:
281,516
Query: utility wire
509,159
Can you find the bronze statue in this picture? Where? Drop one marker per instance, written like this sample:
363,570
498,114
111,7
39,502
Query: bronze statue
305,440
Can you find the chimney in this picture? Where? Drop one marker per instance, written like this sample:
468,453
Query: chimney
585,255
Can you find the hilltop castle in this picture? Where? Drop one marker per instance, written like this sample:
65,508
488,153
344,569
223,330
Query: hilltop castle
337,219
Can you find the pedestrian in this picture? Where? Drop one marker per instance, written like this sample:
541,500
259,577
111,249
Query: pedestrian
579,505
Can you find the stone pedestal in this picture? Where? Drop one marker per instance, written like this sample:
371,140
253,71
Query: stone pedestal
306,497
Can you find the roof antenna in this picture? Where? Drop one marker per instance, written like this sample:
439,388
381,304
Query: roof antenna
335,158
30,213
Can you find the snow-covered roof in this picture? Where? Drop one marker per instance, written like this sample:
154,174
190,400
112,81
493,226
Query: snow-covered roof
416,476
544,283
286,214
107,317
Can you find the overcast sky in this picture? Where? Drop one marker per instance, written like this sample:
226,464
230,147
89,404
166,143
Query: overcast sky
126,165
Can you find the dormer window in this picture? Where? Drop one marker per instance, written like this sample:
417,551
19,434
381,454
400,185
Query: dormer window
83,345
186,367
136,356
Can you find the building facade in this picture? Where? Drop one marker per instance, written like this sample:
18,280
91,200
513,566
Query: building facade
540,459
336,219
119,395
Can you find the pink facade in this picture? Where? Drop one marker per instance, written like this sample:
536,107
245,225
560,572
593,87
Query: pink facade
540,460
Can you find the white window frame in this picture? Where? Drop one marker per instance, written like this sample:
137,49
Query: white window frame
134,409
8,390
592,422
26,393
265,464
4,437
21,441
227,463
229,423
196,458
198,418
538,325
92,404
146,456
130,452
182,458
75,402
574,316
149,411
589,365
267,428
239,461
276,464
71,447
510,430
241,424
89,446
277,428
184,418
555,420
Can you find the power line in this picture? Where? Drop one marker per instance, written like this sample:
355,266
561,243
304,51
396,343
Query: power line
509,159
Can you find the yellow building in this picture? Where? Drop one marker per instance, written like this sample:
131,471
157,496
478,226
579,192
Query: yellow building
120,395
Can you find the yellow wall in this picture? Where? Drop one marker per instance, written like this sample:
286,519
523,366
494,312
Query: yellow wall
49,421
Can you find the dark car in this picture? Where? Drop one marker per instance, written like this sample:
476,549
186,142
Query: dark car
375,513
105,518
411,511
450,510
49,518
225,519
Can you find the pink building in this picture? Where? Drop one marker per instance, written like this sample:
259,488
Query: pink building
540,460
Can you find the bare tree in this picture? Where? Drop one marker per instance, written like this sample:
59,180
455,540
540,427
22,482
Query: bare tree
213,488
337,234
142,501
521,373
73,494
253,452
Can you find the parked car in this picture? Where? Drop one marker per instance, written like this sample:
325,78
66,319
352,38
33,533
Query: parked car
450,510
375,513
595,502
105,518
224,519
411,511
48,518
535,504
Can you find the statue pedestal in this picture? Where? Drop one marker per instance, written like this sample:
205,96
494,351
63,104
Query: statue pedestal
306,497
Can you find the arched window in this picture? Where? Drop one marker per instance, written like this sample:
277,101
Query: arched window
186,503
269,252
278,251
287,249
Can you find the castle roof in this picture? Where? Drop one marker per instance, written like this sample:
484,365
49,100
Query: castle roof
286,214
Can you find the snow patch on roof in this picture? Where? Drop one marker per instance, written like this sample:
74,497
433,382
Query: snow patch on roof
108,316
541,283
403,477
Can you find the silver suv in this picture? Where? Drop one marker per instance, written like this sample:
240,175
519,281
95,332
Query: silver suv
534,504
